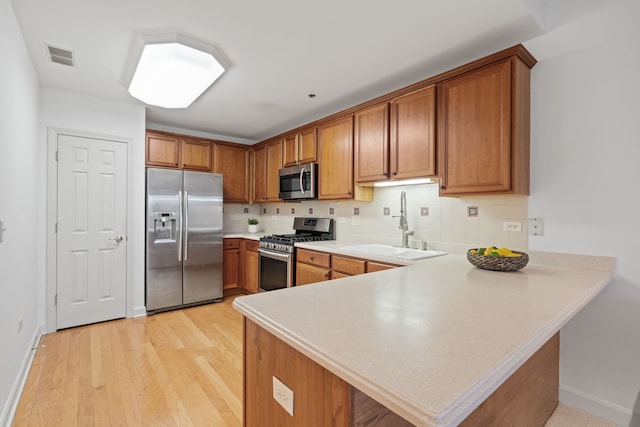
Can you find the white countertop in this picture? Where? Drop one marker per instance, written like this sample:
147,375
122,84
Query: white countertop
432,340
243,235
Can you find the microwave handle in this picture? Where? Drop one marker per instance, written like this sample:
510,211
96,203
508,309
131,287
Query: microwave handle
301,180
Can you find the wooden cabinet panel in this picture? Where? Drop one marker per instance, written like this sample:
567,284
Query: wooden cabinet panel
306,273
306,256
230,263
339,275
483,130
348,266
260,174
321,398
335,159
233,163
250,270
290,150
195,155
299,147
274,164
413,142
162,150
307,146
378,266
371,161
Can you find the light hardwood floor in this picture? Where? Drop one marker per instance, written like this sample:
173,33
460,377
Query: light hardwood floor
181,368
177,368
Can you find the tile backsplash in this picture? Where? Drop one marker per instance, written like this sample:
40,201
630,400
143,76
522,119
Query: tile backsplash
473,220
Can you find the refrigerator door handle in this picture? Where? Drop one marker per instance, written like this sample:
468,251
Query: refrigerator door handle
179,225
186,224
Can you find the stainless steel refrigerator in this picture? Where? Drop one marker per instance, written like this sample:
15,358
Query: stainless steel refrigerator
184,238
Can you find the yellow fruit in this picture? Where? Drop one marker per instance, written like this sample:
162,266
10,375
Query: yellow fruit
488,251
512,255
504,251
473,251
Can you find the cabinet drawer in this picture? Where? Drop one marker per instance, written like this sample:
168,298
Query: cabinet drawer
337,275
321,259
251,245
378,266
230,243
349,266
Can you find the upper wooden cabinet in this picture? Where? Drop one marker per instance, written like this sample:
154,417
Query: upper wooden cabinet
300,147
233,162
483,130
196,154
162,150
267,161
396,140
413,139
335,162
174,151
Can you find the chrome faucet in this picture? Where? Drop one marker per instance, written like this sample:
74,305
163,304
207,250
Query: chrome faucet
404,225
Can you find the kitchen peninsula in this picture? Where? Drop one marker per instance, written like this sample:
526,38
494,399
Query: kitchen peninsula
438,342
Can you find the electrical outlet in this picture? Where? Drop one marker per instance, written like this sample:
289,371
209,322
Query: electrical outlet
424,211
19,324
386,211
283,395
512,226
536,227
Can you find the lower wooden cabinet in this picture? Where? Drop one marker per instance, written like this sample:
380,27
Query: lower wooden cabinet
249,265
312,266
231,263
315,266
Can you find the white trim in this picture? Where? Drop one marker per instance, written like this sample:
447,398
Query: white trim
594,405
139,312
9,411
52,208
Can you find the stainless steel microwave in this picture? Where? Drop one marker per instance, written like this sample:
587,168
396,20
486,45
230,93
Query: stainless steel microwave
299,182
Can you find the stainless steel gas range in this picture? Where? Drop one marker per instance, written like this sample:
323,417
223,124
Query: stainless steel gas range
276,253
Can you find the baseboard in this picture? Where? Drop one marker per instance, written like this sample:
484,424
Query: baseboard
596,406
9,411
140,311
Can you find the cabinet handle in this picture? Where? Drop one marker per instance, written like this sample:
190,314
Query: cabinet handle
311,258
395,173
443,187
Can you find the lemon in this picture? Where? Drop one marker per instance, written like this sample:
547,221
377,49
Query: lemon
504,251
488,251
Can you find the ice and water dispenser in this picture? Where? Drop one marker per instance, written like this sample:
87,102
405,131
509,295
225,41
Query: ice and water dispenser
164,227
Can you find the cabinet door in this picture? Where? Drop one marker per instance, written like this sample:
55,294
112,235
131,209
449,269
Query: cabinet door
474,131
371,161
274,164
306,274
260,174
347,266
335,159
231,268
196,155
233,163
413,143
290,150
162,150
307,147
378,266
250,270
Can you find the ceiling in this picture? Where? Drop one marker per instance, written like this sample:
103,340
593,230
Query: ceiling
345,52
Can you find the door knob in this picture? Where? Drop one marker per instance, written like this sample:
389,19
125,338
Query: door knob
118,239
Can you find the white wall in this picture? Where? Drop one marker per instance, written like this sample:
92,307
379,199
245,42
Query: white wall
585,150
70,111
19,262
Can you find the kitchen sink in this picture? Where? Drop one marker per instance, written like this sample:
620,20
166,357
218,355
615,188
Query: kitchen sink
392,251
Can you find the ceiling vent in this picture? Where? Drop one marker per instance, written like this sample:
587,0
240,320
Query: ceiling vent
60,56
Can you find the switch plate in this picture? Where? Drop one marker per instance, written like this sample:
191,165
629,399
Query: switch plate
283,395
536,227
512,226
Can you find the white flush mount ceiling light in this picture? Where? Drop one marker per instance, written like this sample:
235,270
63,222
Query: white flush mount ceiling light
174,70
416,181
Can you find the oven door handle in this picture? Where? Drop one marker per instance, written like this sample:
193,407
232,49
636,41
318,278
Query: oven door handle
275,255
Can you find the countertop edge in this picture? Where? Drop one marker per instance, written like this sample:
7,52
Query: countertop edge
461,407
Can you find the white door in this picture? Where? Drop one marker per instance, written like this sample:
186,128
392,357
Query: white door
92,230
